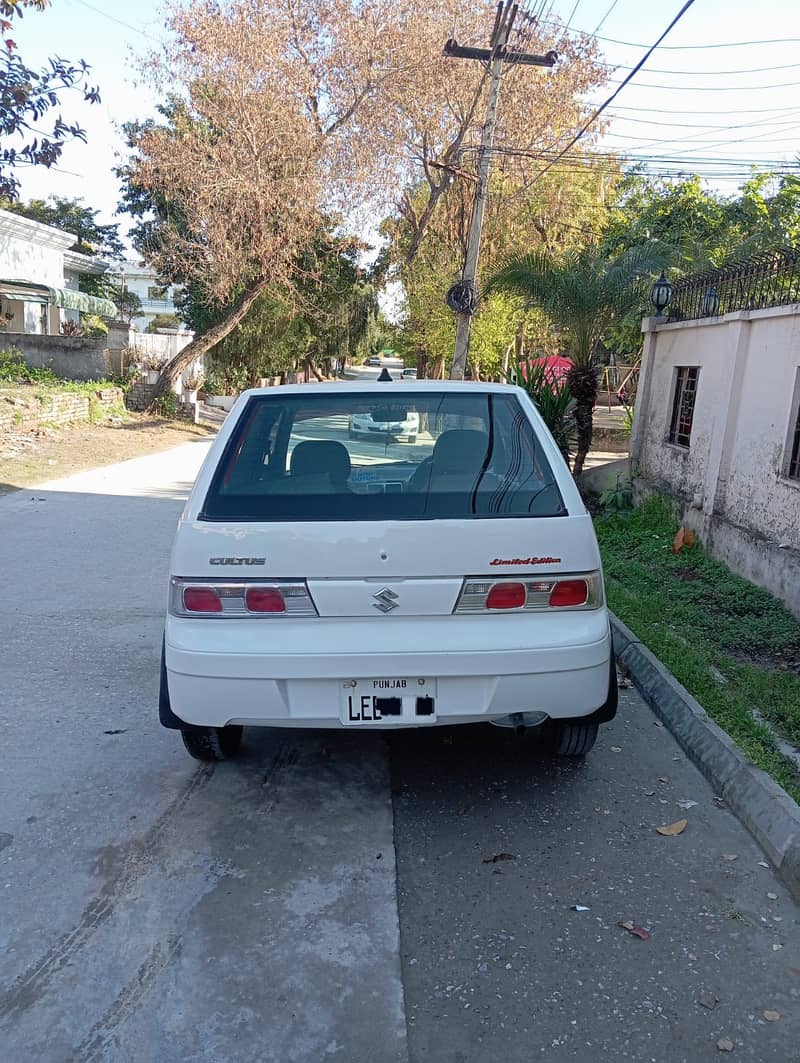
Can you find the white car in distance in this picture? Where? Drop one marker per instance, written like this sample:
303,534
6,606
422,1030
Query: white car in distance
323,581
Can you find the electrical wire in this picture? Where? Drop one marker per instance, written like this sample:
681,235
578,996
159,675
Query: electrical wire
674,47
602,20
630,77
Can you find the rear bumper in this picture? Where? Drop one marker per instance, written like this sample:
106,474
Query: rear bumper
215,687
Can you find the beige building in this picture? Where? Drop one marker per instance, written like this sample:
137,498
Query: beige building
717,428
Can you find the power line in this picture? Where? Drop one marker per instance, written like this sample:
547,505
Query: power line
708,73
674,47
700,125
119,21
602,20
703,88
630,76
752,110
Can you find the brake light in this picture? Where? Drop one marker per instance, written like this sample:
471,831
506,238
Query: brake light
201,600
569,592
266,600
531,595
251,598
506,596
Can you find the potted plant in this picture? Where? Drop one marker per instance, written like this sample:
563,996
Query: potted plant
151,368
191,385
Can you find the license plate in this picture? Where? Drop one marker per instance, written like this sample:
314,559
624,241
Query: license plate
371,702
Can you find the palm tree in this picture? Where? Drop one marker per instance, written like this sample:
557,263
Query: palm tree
583,291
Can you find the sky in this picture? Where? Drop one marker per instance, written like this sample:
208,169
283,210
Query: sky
721,94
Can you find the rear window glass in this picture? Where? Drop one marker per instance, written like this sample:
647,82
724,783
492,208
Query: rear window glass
368,456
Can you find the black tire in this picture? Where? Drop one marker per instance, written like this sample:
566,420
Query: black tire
412,439
571,738
212,743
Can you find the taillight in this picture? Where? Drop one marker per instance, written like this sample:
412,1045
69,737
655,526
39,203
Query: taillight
531,595
506,596
188,597
264,600
201,600
569,592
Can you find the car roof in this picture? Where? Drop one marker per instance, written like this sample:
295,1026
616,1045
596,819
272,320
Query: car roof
340,386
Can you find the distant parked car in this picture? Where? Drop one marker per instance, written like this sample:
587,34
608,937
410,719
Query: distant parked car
409,373
363,424
373,360
378,587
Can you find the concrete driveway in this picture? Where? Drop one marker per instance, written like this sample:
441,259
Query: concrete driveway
334,896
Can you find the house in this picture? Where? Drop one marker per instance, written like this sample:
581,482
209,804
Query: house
39,278
717,418
156,297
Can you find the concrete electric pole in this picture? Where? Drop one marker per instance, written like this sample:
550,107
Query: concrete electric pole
463,297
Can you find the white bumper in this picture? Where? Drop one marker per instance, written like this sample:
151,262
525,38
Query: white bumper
296,673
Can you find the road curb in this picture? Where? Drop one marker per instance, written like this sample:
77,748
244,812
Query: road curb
764,807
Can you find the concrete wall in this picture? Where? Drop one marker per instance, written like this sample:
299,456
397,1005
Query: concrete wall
729,484
70,357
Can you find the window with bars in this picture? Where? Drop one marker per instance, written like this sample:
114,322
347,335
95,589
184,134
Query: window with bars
680,424
793,442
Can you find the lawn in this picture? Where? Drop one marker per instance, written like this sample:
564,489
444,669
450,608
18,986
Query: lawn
730,643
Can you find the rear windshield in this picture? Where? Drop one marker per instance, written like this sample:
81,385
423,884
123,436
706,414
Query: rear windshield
353,455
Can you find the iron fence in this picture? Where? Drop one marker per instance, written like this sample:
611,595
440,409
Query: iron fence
763,279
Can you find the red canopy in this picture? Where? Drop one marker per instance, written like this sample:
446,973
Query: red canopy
557,366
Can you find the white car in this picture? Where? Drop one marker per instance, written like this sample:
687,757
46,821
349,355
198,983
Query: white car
366,424
323,582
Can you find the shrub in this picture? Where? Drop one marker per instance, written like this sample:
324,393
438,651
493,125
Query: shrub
552,397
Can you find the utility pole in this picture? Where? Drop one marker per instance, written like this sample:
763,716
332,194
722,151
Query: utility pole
463,297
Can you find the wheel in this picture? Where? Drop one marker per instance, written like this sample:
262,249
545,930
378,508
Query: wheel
571,738
412,439
212,743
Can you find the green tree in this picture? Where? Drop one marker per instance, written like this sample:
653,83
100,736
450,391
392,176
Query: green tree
128,303
28,97
556,213
583,291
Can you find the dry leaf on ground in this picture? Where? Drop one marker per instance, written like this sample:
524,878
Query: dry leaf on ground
632,928
678,541
725,1044
772,1016
673,828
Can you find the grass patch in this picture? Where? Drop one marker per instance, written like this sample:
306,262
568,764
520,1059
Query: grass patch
732,644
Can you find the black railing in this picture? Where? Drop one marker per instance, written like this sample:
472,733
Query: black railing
764,279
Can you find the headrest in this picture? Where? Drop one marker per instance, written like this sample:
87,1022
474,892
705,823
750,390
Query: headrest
460,450
315,457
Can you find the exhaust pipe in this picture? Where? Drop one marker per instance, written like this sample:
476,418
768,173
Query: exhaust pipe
518,723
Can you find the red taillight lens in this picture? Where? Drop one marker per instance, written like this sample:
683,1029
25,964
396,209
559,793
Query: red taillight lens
569,592
264,600
506,596
201,600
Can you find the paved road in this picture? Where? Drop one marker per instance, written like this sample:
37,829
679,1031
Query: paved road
326,896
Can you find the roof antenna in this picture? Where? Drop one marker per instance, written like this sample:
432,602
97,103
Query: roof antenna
384,376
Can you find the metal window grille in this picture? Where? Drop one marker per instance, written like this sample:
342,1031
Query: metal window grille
793,471
680,425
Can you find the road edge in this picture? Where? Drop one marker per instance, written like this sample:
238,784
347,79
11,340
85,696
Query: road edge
764,807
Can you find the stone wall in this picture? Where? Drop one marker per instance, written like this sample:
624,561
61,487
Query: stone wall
26,409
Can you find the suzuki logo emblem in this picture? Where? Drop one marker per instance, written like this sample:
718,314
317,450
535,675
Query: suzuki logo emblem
385,600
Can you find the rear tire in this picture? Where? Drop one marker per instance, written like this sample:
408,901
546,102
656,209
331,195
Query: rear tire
212,743
571,738
412,439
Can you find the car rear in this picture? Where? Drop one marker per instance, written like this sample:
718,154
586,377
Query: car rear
324,581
